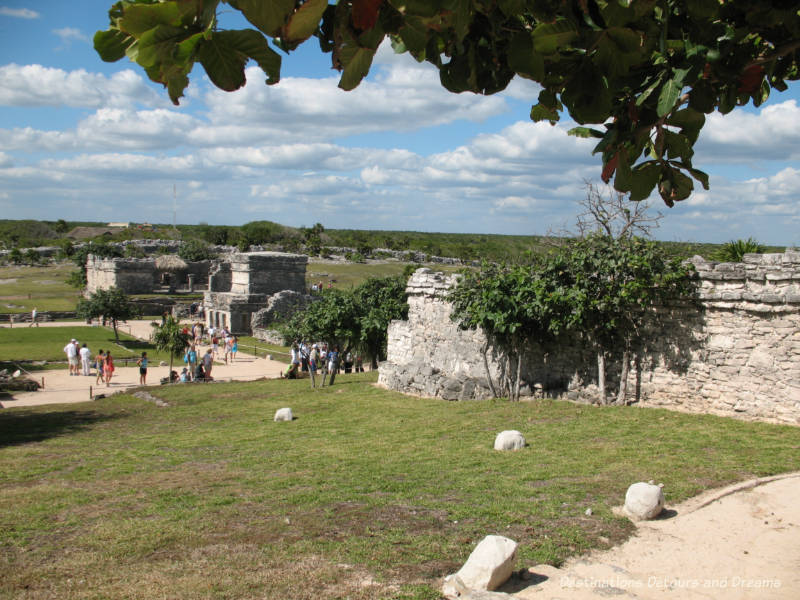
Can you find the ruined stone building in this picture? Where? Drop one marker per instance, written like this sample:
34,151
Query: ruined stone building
142,276
244,282
734,352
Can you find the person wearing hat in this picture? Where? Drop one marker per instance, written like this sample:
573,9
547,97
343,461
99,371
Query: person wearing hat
313,363
71,351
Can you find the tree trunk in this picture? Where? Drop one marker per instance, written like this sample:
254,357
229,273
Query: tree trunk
169,375
114,325
601,375
516,382
623,378
488,373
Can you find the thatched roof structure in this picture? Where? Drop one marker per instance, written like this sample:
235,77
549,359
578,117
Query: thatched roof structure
170,263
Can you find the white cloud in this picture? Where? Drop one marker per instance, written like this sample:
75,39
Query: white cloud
20,13
37,85
740,136
70,34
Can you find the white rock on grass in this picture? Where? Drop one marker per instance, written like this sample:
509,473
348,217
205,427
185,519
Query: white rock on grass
644,501
509,440
283,414
488,567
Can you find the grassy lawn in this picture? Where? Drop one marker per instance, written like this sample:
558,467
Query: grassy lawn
251,345
23,288
209,498
47,344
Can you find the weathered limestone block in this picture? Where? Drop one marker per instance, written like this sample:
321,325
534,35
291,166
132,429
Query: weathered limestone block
490,564
283,414
644,501
509,440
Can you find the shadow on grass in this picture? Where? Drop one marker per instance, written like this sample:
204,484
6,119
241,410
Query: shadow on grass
24,427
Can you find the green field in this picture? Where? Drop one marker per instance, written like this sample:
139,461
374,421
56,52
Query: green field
47,344
209,498
45,288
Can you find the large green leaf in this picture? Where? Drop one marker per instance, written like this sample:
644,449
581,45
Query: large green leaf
305,20
671,91
548,38
356,67
223,62
139,18
523,60
268,15
112,44
159,45
253,44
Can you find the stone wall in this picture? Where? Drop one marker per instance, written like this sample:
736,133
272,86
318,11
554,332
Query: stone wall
140,275
734,352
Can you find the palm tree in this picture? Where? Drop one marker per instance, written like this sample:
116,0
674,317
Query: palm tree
169,337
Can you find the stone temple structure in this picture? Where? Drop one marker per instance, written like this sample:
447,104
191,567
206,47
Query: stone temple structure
243,283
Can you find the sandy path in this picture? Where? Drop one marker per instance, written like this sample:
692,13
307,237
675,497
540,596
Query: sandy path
740,542
60,388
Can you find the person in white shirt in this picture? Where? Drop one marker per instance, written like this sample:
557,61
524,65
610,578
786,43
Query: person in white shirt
86,357
71,351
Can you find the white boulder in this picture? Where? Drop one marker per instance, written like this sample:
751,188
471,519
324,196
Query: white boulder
490,564
644,501
509,440
283,414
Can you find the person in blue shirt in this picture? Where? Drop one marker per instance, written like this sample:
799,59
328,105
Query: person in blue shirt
142,362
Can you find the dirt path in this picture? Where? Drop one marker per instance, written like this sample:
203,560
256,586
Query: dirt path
740,542
60,388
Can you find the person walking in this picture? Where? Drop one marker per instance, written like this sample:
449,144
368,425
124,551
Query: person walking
100,362
234,348
86,357
208,364
333,363
142,362
313,362
34,317
108,368
191,359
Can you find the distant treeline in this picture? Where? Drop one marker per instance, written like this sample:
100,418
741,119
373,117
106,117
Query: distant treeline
312,240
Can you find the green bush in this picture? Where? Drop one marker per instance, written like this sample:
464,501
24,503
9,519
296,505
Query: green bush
735,250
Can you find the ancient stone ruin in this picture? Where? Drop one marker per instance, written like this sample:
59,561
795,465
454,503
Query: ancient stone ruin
142,275
243,283
736,351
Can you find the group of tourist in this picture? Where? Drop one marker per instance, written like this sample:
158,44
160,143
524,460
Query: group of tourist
318,359
79,358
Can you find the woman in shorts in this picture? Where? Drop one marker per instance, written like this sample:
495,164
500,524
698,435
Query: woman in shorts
142,362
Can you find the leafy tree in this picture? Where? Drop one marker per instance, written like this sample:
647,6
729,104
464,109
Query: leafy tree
599,288
32,256
111,304
61,226
734,250
381,300
312,236
353,320
648,71
511,306
194,250
169,337
15,256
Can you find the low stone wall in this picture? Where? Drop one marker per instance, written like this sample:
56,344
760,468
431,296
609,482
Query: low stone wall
734,352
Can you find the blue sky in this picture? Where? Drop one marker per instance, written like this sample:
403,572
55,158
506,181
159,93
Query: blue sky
85,140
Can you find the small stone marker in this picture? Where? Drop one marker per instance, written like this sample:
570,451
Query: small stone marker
509,440
644,501
487,568
283,414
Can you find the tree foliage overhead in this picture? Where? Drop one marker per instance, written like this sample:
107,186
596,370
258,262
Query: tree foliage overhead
647,71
